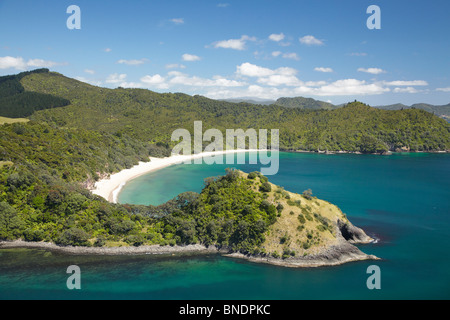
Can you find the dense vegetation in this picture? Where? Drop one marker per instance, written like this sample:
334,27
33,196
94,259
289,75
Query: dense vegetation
229,212
304,103
47,164
15,102
42,199
149,116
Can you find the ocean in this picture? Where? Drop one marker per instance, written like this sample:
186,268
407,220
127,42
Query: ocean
402,200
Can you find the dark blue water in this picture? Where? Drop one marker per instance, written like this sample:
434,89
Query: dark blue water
402,199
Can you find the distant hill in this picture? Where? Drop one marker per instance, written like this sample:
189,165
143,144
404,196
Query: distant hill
152,117
441,111
304,103
250,100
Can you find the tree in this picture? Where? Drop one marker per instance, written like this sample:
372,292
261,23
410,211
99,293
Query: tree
73,237
265,187
10,224
307,194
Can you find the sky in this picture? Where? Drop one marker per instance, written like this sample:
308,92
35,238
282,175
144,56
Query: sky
260,49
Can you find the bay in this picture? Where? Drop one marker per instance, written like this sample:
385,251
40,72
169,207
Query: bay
401,199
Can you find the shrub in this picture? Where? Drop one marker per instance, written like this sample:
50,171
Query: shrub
288,253
284,239
135,240
33,235
265,187
252,175
100,241
301,218
296,203
73,237
307,194
121,227
280,207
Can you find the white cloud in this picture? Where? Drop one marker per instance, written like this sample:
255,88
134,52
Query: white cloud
322,69
276,37
194,81
155,81
19,63
344,87
371,70
39,63
310,41
119,80
107,49
177,20
235,44
223,5
315,83
405,90
175,66
349,87
276,80
358,54
251,70
89,71
288,55
291,55
276,53
133,62
407,83
273,77
443,89
190,57
116,78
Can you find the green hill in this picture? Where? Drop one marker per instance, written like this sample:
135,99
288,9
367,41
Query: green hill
15,102
150,116
304,103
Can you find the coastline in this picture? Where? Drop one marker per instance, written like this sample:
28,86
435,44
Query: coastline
110,188
341,253
124,250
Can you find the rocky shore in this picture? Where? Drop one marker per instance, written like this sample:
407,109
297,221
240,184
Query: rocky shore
338,254
124,250
342,252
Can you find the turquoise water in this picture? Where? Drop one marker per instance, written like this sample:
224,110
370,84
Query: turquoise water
402,199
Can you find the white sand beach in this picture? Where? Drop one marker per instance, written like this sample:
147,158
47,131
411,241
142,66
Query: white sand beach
110,188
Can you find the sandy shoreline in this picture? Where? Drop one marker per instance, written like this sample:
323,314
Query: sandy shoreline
110,188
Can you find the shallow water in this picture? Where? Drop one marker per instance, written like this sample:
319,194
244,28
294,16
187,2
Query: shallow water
402,199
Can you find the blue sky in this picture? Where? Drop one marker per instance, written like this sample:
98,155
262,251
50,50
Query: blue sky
248,48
